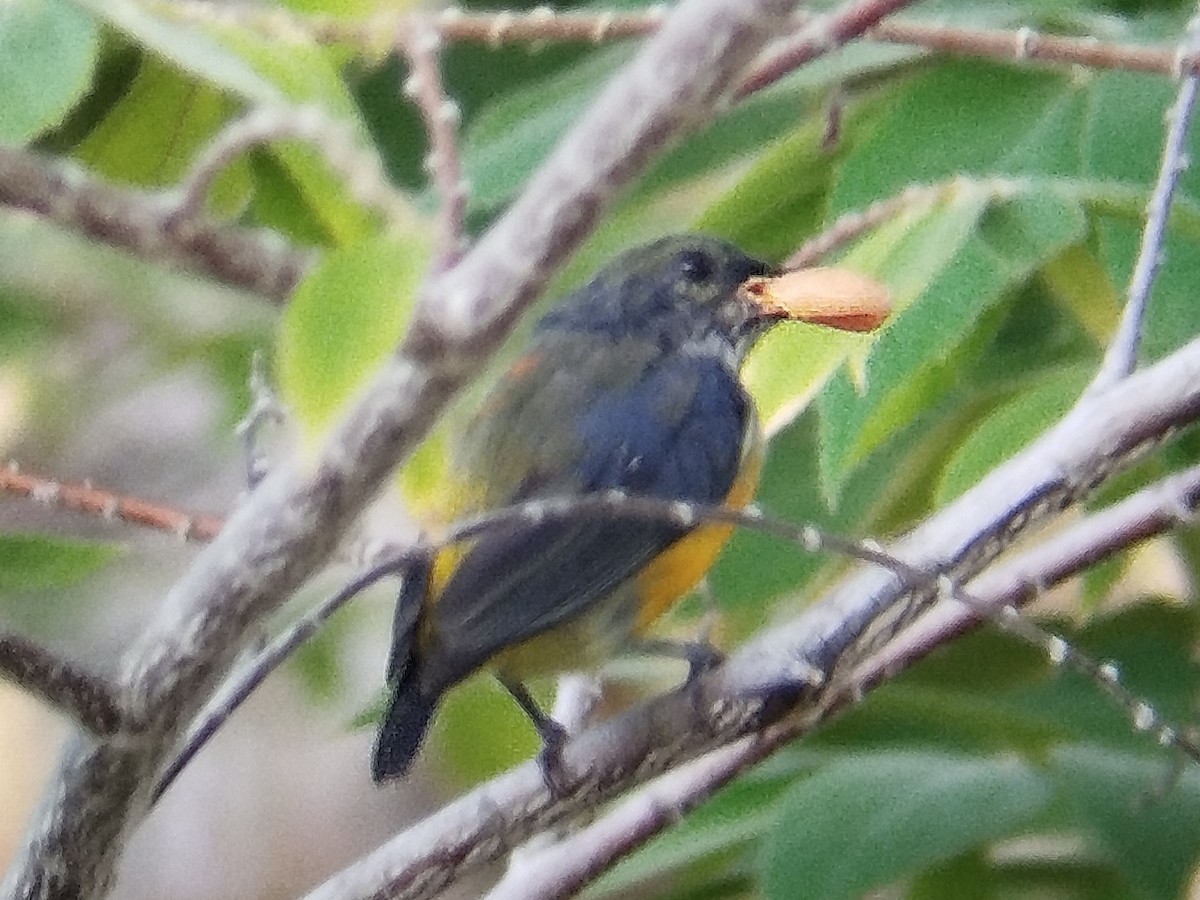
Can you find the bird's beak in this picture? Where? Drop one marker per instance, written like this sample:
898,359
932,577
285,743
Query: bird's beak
837,298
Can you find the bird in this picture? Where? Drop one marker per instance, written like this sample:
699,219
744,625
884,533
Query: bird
631,384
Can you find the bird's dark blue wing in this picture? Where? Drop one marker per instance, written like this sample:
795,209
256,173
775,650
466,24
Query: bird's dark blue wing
677,432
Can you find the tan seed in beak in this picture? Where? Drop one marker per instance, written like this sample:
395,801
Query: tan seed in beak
837,298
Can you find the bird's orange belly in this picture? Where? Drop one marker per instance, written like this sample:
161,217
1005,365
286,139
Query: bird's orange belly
679,569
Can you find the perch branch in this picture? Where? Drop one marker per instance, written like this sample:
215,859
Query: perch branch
795,673
566,865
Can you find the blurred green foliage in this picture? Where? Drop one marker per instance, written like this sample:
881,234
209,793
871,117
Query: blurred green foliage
980,773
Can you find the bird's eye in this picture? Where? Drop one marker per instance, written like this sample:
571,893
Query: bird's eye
695,266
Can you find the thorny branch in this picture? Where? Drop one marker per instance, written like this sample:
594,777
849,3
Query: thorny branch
108,505
423,85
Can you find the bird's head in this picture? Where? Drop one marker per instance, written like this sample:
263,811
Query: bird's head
704,294
673,291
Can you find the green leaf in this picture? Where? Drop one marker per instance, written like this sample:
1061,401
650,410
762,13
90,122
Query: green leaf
479,731
186,46
153,132
792,362
48,50
1124,131
506,141
318,662
1010,427
31,561
219,56
984,120
341,217
1083,285
711,839
1150,828
343,320
784,193
978,259
333,7
865,821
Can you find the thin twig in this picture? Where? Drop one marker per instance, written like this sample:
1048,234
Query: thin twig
1019,44
1151,511
545,26
1121,357
243,683
108,505
421,43
264,408
852,225
86,698
814,38
357,163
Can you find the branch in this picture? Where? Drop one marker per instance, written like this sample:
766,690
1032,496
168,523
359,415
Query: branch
294,520
421,43
566,866
107,505
1121,356
86,698
793,676
1019,45
143,223
853,225
606,505
544,25
1151,511
340,146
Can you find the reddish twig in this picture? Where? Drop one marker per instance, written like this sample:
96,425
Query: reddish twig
108,505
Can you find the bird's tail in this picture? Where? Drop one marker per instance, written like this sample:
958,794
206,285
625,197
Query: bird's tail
404,727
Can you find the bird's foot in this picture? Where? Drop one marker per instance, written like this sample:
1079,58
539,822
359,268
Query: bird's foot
549,758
